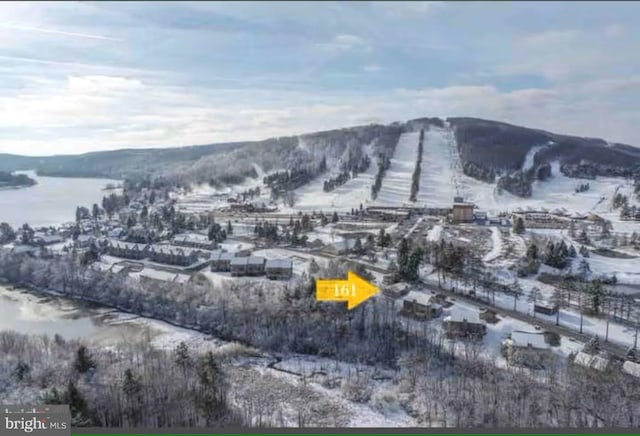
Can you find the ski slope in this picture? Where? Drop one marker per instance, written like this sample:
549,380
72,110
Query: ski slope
396,184
441,169
355,191
442,179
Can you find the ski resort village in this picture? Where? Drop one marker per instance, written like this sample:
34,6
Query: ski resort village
509,254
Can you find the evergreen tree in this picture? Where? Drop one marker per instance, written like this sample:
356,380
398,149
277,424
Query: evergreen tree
518,226
413,265
7,234
209,399
532,251
370,243
80,413
593,346
95,211
183,359
584,269
83,362
403,257
584,252
357,246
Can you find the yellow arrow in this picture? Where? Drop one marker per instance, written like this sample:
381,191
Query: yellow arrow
354,290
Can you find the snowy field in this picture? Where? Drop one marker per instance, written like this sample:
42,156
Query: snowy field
440,168
354,192
627,271
396,185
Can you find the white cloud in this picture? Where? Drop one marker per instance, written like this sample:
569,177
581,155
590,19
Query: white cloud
344,43
56,32
373,68
102,112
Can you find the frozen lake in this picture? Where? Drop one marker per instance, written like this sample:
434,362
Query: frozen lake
52,201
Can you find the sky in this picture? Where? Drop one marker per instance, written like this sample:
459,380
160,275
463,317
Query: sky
85,76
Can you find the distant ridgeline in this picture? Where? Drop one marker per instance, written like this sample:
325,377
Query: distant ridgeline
8,180
490,151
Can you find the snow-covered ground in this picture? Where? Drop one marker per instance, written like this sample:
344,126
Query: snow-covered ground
496,248
440,168
529,159
434,233
354,192
627,271
396,185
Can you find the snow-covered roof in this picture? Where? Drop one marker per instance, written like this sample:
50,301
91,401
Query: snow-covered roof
255,260
345,244
20,249
418,297
191,237
591,361
127,245
456,315
525,339
165,276
239,261
631,368
279,263
84,238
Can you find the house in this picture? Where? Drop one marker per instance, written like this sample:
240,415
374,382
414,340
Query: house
221,261
388,279
247,266
395,290
173,255
545,308
463,212
116,233
140,233
84,241
126,250
316,243
279,269
480,217
194,240
420,305
43,239
631,368
238,266
526,349
591,361
255,265
24,250
341,247
154,278
460,325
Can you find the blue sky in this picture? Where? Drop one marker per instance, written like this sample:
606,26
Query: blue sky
83,76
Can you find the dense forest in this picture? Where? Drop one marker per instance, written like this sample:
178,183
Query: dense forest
8,180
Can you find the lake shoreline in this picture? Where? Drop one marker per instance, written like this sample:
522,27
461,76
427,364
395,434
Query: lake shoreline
96,304
15,187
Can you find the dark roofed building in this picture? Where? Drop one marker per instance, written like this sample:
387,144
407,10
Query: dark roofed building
221,261
279,269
